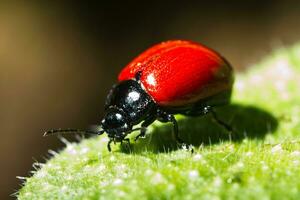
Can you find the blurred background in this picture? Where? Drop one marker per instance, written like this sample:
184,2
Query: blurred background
58,60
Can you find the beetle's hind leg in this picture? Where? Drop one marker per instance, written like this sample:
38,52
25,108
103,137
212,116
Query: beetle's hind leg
220,122
165,117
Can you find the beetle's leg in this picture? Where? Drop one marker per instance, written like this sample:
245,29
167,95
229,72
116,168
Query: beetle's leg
144,126
164,117
108,145
223,124
128,142
172,119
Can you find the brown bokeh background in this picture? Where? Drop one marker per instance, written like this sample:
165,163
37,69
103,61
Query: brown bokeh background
58,60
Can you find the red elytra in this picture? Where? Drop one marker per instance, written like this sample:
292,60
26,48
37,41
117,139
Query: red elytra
177,73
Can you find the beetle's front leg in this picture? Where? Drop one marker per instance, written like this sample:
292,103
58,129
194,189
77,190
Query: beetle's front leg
144,126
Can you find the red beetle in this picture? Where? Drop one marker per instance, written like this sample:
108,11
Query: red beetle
173,77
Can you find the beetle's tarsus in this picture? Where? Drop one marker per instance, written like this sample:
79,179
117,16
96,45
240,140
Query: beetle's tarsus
187,147
141,135
108,145
128,143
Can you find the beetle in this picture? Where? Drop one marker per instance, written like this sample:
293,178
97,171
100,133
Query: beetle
173,77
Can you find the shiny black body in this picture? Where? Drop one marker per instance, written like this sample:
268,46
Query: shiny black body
127,105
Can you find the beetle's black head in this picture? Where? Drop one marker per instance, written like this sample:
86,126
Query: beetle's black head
115,124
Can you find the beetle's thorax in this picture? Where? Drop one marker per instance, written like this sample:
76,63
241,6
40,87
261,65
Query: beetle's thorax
126,105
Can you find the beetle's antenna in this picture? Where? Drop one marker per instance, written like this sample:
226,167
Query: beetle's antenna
56,131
